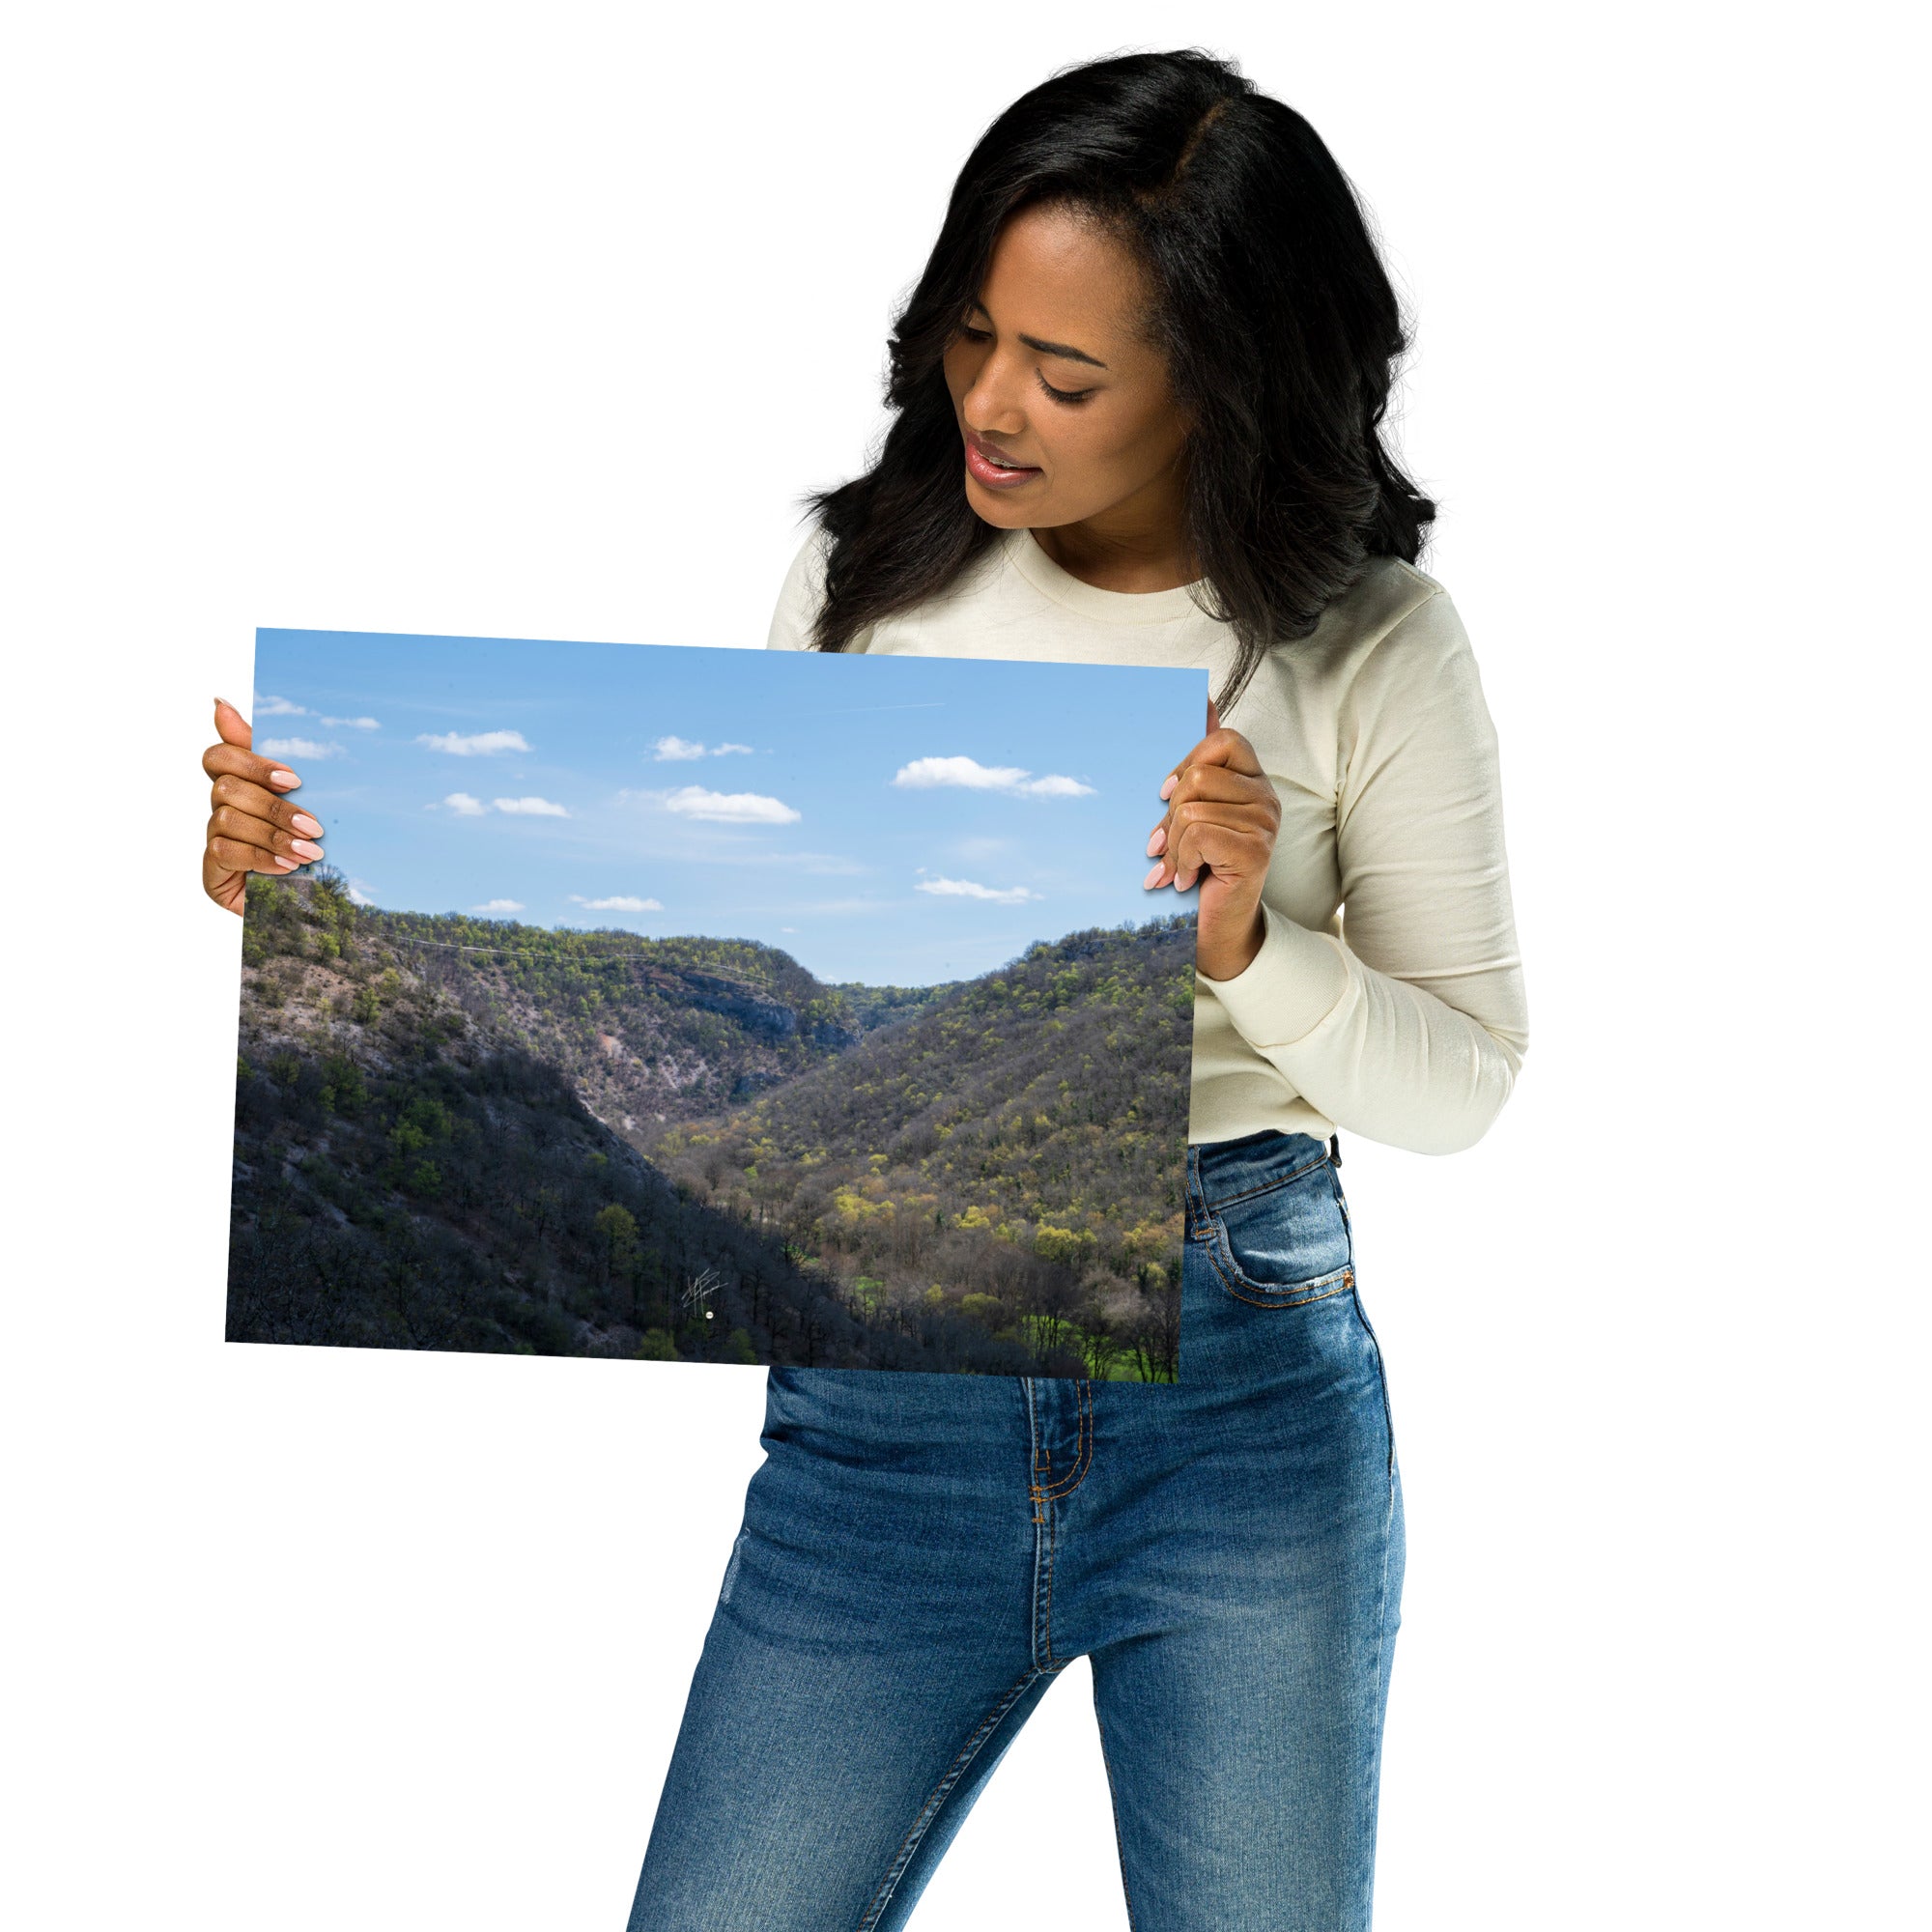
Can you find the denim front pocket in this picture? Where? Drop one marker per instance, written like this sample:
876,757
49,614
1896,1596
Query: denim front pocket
1285,1242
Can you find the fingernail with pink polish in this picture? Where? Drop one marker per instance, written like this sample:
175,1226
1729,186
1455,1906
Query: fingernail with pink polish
1167,789
1153,876
1158,842
306,848
286,863
308,827
283,779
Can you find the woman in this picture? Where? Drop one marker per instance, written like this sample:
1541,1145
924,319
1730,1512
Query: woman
1137,396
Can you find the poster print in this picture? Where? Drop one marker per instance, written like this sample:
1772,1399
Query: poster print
682,1003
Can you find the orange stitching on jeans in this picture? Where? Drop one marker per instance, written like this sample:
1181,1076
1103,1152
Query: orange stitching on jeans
1042,1496
1341,1287
1083,1450
1083,1447
1044,1634
1082,1460
1240,1286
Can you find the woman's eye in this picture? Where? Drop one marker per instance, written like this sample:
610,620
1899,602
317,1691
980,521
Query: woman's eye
976,334
1065,395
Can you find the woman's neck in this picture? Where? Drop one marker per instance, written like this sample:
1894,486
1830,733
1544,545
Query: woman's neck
1137,544
1121,560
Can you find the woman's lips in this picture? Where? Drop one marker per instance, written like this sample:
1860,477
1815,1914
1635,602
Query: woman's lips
996,475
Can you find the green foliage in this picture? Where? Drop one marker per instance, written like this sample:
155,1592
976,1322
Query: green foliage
983,1176
344,1091
617,1225
428,1116
1020,1138
1071,1247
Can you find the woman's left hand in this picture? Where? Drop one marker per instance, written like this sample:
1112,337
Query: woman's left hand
1222,817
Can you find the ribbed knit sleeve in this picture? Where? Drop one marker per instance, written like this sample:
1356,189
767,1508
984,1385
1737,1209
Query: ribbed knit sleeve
1411,1027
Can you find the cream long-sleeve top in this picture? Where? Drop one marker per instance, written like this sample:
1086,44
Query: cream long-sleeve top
1388,997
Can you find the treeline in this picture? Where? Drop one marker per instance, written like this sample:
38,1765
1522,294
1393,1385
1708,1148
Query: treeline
1013,1151
407,1176
648,1030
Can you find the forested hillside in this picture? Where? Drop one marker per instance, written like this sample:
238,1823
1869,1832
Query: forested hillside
979,1177
648,1031
1018,1141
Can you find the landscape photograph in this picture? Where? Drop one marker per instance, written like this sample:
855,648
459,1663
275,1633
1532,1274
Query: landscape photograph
680,1004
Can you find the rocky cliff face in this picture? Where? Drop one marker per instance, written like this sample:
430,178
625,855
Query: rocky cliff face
648,1032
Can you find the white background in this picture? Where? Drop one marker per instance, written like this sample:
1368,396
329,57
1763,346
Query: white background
536,321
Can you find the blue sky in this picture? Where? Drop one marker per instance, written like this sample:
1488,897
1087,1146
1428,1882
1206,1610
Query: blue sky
886,819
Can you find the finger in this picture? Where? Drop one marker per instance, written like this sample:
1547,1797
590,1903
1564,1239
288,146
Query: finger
1207,837
231,728
1220,782
228,890
234,855
1259,812
261,802
241,828
1219,836
1231,795
1220,747
1213,718
1231,852
227,760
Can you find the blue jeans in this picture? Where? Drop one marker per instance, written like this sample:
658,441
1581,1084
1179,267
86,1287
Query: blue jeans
923,1554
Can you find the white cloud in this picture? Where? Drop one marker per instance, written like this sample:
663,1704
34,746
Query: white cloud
617,902
683,749
295,748
359,893
353,723
463,806
924,774
277,707
729,807
1055,785
498,906
531,808
475,745
967,889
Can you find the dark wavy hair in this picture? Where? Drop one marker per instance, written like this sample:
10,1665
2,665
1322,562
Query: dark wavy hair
1271,304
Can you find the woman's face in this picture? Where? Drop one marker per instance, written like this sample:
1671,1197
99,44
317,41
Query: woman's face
1049,375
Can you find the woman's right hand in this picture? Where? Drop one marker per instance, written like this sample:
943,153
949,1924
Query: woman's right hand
253,828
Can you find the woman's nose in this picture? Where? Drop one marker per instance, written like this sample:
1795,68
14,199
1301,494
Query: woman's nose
991,406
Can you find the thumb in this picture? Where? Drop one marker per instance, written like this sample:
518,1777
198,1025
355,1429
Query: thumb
231,726
1213,717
